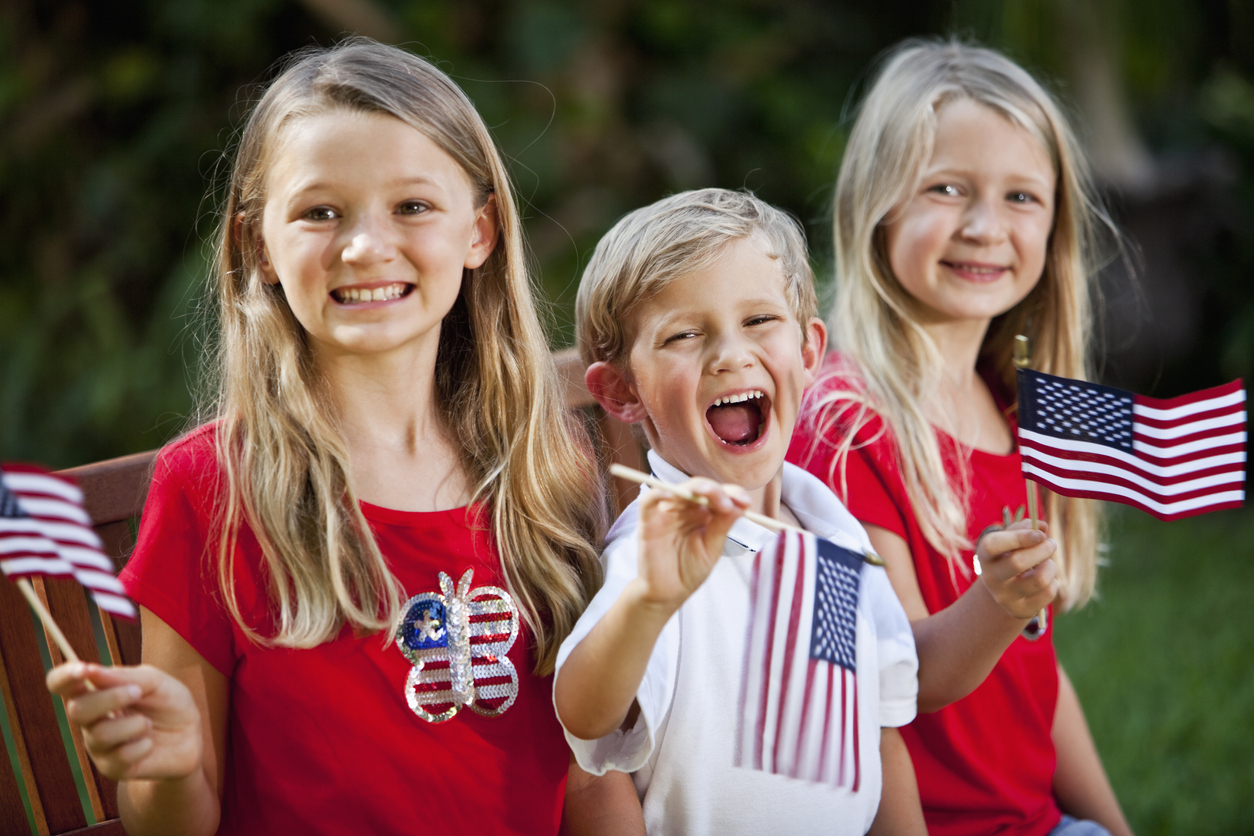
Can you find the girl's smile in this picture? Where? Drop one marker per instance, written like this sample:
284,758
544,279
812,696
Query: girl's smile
971,241
358,295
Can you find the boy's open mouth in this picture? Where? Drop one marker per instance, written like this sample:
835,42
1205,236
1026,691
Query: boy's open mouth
361,295
739,419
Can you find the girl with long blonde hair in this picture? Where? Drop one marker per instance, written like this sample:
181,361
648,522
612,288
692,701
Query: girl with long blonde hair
356,576
965,215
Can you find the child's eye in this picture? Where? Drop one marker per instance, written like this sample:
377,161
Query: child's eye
1021,197
946,189
682,335
761,319
321,213
412,207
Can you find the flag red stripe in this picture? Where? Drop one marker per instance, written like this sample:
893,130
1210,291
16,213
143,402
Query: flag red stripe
790,647
840,777
827,722
1098,493
1156,495
805,717
1192,397
776,577
1185,420
857,762
1185,438
1067,467
1091,454
744,672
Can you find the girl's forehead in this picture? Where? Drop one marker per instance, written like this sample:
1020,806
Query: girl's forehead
343,143
974,133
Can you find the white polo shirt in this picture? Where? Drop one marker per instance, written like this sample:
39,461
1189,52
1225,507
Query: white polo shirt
681,747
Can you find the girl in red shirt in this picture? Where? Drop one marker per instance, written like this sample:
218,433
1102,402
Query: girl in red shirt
964,216
356,576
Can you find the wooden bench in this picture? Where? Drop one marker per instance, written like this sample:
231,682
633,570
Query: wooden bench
114,493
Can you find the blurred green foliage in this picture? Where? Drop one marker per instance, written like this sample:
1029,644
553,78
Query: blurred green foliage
114,121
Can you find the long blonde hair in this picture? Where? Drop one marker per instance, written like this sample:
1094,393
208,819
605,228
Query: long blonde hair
872,321
281,449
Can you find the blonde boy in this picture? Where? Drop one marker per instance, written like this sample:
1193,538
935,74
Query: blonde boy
696,318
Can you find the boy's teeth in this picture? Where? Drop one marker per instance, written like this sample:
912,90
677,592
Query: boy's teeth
742,397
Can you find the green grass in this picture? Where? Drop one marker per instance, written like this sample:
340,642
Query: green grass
1164,665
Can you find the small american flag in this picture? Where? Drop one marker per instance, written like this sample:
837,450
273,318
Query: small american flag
799,695
1172,458
45,531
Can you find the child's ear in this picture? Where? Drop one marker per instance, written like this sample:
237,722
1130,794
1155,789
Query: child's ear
484,234
814,348
614,392
259,245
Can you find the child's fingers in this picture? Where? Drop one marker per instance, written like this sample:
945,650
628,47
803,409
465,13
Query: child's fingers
109,734
119,763
1026,525
67,680
1021,560
1036,592
721,499
1038,580
72,677
997,543
88,707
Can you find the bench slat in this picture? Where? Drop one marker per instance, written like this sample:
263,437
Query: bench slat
56,797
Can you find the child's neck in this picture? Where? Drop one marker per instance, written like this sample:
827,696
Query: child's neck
769,501
402,454
960,402
959,345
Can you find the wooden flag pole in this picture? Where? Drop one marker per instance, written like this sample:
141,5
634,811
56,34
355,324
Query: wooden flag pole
49,622
633,475
1022,358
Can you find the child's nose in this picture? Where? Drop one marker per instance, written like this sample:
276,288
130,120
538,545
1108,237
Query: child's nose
368,242
983,221
731,353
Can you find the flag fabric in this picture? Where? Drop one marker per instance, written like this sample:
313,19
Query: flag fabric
45,531
1172,458
799,696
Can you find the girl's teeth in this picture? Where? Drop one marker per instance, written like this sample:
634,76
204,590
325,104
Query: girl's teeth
378,294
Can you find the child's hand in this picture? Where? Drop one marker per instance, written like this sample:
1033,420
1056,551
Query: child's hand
680,541
139,723
1016,567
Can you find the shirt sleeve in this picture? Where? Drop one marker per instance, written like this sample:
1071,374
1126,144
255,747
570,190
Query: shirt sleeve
629,750
894,642
170,572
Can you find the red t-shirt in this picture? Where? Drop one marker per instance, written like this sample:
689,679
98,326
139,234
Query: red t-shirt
985,764
322,740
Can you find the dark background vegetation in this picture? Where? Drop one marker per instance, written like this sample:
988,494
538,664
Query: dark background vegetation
114,119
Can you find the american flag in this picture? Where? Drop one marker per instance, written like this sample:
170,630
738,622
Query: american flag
1172,458
799,696
45,531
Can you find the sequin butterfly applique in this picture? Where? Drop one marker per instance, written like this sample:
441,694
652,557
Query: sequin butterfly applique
456,640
